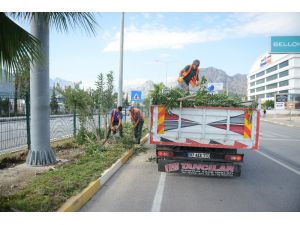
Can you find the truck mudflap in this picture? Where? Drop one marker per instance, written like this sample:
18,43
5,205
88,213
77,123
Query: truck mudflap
199,168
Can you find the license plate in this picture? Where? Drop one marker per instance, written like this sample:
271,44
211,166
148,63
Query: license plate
199,155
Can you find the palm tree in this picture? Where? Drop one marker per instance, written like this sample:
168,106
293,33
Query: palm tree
40,152
16,46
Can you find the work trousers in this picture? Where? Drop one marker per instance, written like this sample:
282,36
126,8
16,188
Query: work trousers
138,132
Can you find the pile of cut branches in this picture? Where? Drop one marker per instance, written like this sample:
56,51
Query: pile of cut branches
171,98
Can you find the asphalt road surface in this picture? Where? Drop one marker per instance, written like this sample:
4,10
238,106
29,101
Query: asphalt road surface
270,181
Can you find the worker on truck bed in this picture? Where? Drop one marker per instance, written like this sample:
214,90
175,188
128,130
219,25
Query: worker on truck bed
189,75
137,119
115,123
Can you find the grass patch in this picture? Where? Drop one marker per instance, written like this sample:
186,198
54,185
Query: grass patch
64,144
50,190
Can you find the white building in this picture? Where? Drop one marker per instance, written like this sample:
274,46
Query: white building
272,74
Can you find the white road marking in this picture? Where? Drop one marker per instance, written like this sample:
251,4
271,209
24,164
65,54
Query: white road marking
280,163
159,193
279,139
266,135
276,134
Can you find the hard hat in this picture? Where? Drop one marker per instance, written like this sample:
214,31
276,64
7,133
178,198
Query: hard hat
196,62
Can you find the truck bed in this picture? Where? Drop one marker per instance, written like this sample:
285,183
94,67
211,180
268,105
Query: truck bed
210,127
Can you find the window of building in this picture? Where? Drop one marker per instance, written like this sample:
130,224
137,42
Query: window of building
252,90
273,68
260,89
261,81
273,77
271,86
283,73
260,96
252,83
284,91
284,64
260,74
252,77
270,95
284,83
252,97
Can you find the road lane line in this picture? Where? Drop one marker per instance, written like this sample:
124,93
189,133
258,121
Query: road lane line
159,193
280,163
275,135
266,135
278,139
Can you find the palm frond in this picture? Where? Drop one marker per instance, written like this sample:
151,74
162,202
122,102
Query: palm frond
63,21
16,45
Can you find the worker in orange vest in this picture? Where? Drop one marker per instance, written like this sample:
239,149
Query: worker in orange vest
115,123
137,119
189,75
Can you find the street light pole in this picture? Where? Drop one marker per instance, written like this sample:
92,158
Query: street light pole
120,92
166,74
167,66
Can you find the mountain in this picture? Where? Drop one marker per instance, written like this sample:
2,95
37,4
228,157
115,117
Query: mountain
145,88
7,86
59,81
237,84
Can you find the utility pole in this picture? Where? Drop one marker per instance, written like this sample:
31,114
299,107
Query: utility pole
120,93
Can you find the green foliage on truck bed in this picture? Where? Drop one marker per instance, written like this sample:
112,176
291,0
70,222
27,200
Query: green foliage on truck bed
202,97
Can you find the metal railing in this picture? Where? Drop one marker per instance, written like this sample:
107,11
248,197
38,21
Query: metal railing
15,130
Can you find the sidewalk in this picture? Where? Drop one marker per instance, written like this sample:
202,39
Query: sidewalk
294,121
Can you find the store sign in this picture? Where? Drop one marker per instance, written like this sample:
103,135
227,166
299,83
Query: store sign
280,100
285,44
281,97
267,60
290,105
279,105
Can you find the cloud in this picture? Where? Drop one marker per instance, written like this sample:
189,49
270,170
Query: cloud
164,55
235,25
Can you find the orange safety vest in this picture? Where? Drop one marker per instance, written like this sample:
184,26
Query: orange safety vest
193,81
113,116
133,115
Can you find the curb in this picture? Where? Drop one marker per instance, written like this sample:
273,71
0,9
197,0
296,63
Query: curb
278,123
74,203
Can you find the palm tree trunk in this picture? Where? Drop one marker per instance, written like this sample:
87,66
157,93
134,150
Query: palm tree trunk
41,152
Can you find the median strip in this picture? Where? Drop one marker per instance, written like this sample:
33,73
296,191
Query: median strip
75,203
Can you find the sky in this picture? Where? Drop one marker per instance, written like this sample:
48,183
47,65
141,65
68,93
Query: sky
158,45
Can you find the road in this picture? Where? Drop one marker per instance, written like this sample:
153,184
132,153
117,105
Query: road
270,181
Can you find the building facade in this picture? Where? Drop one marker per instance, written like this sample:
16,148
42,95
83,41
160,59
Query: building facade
273,74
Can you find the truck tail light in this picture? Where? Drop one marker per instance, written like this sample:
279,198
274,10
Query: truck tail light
237,158
165,154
